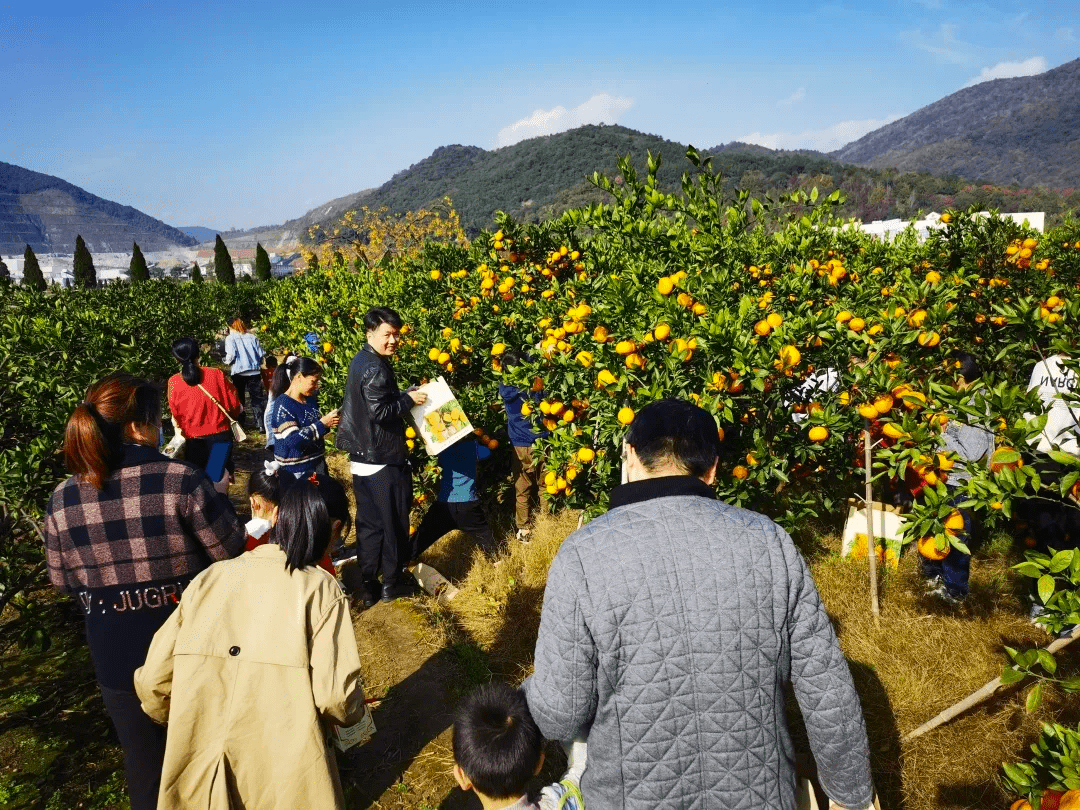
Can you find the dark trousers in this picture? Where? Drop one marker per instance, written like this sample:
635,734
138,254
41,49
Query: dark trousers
197,451
383,501
143,742
446,517
955,569
249,389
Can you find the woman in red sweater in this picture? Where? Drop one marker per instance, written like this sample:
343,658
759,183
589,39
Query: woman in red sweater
194,413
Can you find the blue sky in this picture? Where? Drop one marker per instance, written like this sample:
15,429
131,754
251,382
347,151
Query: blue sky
244,114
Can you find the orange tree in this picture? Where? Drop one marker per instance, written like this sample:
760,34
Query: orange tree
53,345
763,311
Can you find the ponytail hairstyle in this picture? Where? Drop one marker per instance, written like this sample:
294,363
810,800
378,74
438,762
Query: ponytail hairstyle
96,431
186,350
284,373
237,324
303,526
270,482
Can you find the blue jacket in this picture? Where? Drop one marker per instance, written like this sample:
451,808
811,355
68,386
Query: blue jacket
519,427
458,462
243,352
298,434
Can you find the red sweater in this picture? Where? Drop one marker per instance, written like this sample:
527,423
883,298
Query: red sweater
193,411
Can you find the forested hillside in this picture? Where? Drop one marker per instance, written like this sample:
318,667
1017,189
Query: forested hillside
1023,131
539,177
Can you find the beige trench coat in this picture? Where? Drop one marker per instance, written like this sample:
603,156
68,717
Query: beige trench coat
245,672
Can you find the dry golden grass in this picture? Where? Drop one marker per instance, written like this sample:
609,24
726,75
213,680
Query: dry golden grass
919,659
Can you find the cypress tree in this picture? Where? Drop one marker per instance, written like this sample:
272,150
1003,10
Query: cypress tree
138,269
84,273
223,266
196,274
262,263
32,276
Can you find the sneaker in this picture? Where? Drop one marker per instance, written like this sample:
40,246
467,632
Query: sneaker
942,593
933,583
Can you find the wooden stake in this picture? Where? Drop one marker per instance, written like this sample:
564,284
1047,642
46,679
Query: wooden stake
975,698
871,541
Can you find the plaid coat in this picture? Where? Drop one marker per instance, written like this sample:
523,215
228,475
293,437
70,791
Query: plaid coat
127,552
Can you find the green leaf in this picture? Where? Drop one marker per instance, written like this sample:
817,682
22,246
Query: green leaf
1034,698
1016,776
1060,561
1048,662
1011,675
1046,587
1071,684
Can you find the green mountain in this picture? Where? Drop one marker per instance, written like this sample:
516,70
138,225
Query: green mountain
542,176
48,213
1023,131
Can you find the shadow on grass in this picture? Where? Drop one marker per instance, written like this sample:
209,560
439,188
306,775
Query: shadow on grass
56,742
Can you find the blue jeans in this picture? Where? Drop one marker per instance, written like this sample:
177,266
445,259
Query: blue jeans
956,567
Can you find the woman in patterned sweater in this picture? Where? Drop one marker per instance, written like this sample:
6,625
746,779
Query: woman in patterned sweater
299,429
125,535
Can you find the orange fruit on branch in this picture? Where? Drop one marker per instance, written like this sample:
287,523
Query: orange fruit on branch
928,548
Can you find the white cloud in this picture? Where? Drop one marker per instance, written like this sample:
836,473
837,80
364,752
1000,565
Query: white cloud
599,109
1008,70
1064,35
797,96
824,140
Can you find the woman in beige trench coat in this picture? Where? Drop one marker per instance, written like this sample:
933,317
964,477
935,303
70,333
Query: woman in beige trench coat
251,670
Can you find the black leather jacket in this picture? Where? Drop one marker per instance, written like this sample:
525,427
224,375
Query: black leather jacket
372,430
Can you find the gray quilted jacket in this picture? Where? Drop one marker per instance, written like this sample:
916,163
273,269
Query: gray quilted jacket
670,628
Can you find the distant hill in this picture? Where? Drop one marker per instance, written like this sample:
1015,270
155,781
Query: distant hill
544,176
47,213
1024,130
199,232
293,232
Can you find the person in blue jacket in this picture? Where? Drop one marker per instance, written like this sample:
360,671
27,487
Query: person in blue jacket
457,505
525,465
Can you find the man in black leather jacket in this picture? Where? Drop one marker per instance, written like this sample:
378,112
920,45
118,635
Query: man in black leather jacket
372,431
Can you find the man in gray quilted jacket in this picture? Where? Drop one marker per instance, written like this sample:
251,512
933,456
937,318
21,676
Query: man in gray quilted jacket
671,627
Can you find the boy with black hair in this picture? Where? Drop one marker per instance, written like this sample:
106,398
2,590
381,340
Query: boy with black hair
498,749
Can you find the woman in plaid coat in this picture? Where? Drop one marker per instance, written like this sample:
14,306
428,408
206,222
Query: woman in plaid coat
125,535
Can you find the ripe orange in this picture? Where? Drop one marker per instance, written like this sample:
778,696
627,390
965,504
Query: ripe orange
893,431
883,404
662,331
740,472
600,334
762,328
945,218
585,455
626,415
1020,804
433,354
585,358
443,358
665,286
818,433
928,548
790,356
493,444
1070,800
720,433
933,277
954,523
917,317
605,377
625,347
843,316
868,411
498,349
774,319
